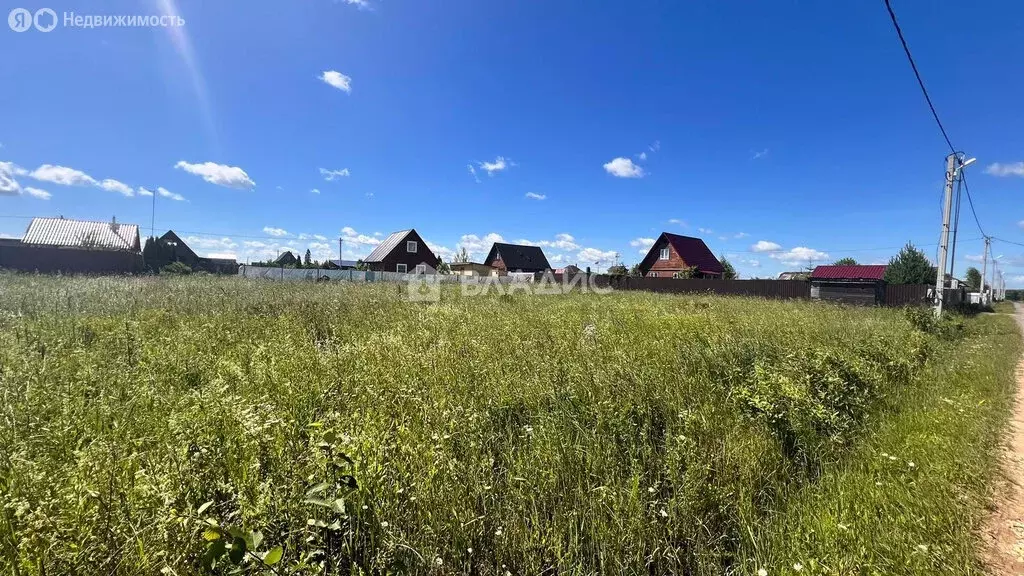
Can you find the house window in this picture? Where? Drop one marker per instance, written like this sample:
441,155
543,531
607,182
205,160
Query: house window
401,268
410,246
664,254
421,268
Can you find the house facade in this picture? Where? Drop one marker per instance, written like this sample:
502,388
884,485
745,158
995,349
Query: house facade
505,258
404,252
470,269
673,254
850,284
179,251
75,247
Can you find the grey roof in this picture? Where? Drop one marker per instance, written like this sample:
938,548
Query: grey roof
82,234
385,247
345,263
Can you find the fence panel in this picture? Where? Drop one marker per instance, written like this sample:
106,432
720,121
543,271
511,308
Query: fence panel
907,295
757,288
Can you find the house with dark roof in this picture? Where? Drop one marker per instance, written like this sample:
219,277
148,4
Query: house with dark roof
851,284
336,264
75,247
673,254
505,258
175,249
287,259
403,251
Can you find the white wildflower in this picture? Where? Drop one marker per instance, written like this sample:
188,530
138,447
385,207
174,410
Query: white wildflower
470,550
438,561
384,524
922,547
762,572
798,566
893,458
663,513
498,531
651,489
910,464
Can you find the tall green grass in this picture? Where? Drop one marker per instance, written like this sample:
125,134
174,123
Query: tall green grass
581,434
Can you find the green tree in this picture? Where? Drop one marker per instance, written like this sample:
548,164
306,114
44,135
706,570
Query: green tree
176,268
309,258
617,270
686,273
728,272
910,266
462,256
973,278
845,262
444,268
361,266
635,270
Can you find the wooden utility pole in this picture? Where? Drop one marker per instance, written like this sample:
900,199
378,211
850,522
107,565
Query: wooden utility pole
947,206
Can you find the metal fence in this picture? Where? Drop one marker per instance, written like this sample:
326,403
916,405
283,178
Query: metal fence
783,289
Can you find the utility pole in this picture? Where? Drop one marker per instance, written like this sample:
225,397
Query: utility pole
984,269
341,255
152,220
947,206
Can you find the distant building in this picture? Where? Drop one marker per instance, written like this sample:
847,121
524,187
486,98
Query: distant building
470,269
287,259
341,264
794,275
74,246
505,258
851,284
403,251
672,254
179,251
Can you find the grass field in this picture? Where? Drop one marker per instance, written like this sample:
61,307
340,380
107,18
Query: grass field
147,425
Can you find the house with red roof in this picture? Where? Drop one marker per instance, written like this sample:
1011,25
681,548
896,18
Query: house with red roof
673,254
851,284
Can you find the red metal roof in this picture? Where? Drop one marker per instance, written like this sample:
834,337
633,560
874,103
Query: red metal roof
872,272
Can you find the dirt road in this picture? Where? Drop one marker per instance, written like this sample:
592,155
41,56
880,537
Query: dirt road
1004,529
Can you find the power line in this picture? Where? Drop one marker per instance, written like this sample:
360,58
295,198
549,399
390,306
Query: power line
970,202
917,75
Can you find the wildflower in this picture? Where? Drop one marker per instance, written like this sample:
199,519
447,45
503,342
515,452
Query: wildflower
651,489
498,531
384,524
893,458
438,561
843,527
798,566
910,464
365,507
885,454
922,547
762,572
469,550
663,513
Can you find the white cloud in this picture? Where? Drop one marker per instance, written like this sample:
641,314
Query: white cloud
624,168
63,175
219,174
143,192
37,193
642,156
443,252
760,154
320,237
973,257
369,194
678,222
799,255
655,147
275,232
535,196
644,244
589,255
1020,224
165,193
740,235
330,175
114,186
315,190
562,241
320,251
349,236
225,247
472,172
765,246
1013,169
753,263
705,230
8,185
478,247
338,80
361,4
500,164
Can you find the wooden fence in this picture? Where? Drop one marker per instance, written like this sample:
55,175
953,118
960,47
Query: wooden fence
782,289
51,259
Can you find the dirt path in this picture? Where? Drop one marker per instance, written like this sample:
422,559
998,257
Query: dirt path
1004,529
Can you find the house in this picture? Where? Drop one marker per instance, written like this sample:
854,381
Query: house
672,254
505,258
570,270
75,246
852,284
404,251
177,250
341,264
470,269
287,259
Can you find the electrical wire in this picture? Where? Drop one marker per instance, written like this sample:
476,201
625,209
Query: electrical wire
970,202
920,82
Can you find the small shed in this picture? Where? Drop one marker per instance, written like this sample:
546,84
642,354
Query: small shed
470,269
851,284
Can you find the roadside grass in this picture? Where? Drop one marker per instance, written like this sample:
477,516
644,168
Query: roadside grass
1003,307
359,433
910,498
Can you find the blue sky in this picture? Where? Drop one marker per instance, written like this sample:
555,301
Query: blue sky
781,132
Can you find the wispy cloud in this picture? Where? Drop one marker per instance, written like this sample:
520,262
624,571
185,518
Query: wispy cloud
330,175
643,244
623,168
1012,169
765,246
219,174
678,222
337,80
739,235
37,193
500,164
535,196
705,230
472,172
315,190
799,255
64,176
760,154
275,232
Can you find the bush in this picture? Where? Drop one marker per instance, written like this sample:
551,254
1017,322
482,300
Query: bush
176,268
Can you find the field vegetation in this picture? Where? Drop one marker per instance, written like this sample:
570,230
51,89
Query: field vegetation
191,424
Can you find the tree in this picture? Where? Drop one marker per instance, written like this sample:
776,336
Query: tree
309,258
845,262
176,268
910,266
361,266
974,278
728,272
444,268
617,270
686,273
462,255
635,270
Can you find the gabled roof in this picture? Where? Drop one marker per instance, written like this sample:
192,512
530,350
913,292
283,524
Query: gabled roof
69,233
692,250
518,257
344,263
872,272
180,244
394,241
287,258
